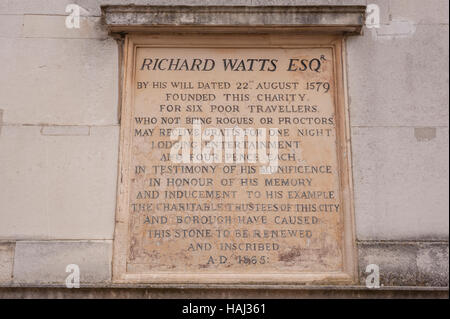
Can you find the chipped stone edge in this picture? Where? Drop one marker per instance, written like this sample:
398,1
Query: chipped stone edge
125,18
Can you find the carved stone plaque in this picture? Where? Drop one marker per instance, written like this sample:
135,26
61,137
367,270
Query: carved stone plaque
234,161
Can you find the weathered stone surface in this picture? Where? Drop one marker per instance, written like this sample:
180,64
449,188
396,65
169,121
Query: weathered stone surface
229,292
349,19
62,130
6,262
401,183
234,219
386,77
58,186
308,2
398,78
406,263
46,26
434,12
45,262
80,76
419,12
92,7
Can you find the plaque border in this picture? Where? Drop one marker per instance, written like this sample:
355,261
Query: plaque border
343,146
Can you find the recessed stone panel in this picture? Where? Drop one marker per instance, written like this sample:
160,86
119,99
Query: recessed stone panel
234,162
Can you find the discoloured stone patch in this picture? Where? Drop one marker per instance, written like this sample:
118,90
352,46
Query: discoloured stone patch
44,262
423,134
401,185
406,263
6,262
1,121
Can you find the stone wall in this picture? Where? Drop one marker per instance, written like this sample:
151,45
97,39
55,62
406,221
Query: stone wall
59,138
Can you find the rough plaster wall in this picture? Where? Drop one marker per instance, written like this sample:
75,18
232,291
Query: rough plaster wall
59,132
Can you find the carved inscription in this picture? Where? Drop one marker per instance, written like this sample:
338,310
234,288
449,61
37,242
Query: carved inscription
201,200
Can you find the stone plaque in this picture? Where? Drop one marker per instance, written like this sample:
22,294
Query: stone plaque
234,161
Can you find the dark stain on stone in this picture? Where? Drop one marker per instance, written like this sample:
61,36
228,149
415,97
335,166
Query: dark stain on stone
424,134
1,121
